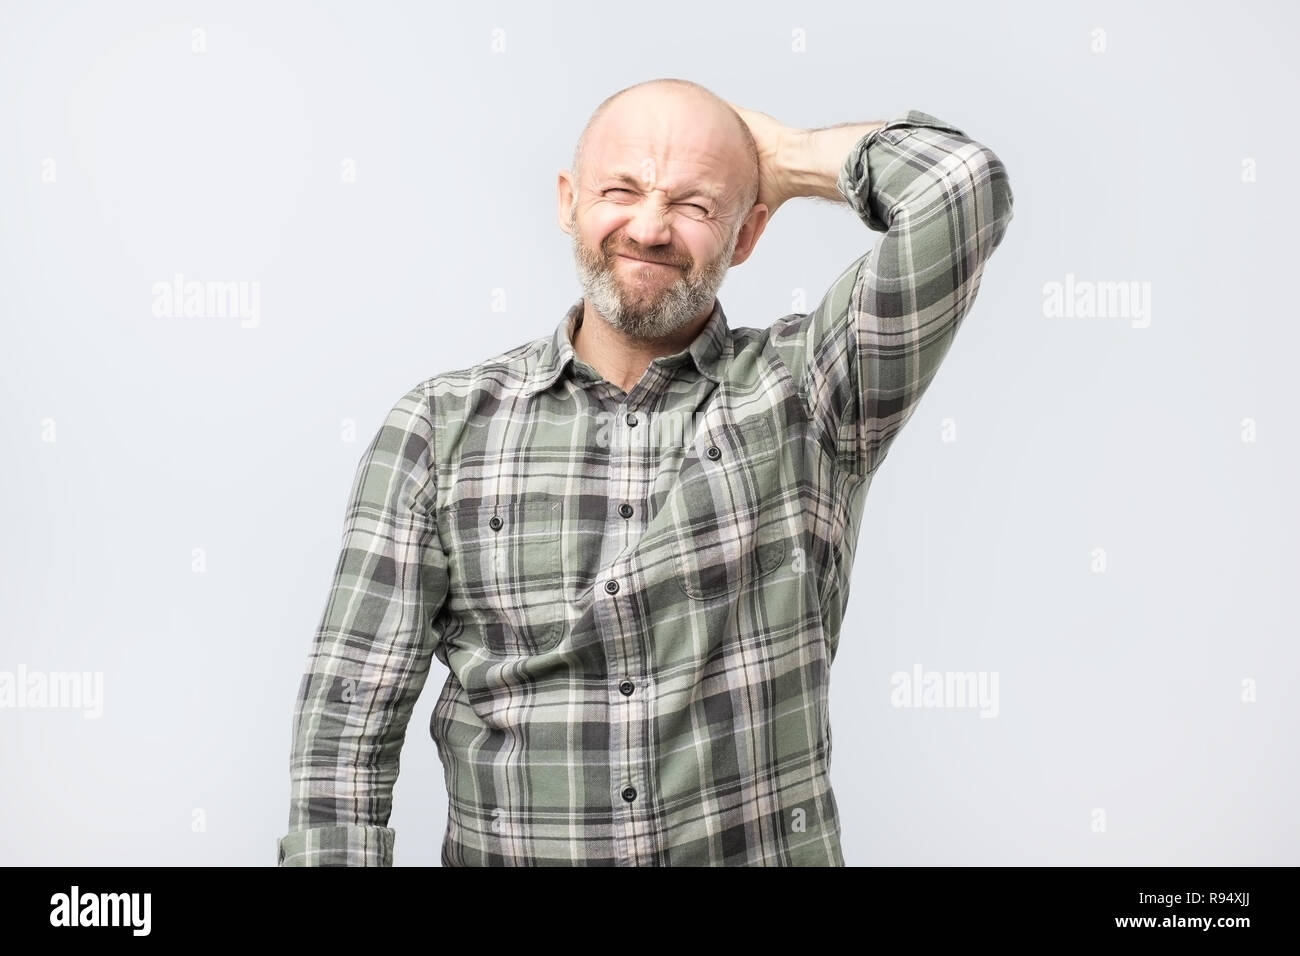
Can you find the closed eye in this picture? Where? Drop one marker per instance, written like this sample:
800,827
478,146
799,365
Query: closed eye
693,205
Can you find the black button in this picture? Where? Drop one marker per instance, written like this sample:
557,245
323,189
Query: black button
495,523
625,688
625,510
629,794
631,419
714,452
611,587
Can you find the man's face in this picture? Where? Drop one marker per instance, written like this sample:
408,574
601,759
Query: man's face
642,299
654,222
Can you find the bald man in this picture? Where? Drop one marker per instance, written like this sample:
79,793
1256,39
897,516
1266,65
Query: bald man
630,541
650,269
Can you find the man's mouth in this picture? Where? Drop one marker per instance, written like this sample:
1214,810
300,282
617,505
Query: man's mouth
648,262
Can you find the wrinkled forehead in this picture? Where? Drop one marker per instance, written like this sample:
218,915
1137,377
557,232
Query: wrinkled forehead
667,149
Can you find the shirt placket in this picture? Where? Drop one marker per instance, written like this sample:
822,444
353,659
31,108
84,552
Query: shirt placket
624,630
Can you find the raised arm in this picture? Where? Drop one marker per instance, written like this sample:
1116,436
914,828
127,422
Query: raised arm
866,354
371,652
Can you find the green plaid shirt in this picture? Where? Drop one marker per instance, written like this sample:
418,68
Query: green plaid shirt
637,596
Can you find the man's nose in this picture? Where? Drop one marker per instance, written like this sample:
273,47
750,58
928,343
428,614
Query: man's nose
649,225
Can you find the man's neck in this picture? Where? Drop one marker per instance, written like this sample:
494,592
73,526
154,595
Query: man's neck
620,359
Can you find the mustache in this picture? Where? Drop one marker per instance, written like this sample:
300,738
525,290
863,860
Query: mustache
610,252
636,254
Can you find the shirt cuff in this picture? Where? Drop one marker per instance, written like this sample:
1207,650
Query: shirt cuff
854,181
340,845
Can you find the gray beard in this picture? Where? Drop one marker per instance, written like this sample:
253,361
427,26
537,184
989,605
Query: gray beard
637,316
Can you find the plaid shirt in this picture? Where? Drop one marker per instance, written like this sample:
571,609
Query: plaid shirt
638,596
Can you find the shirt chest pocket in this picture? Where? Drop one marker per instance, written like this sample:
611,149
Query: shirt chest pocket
506,575
732,531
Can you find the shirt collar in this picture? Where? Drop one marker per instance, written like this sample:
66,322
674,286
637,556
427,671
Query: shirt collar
707,351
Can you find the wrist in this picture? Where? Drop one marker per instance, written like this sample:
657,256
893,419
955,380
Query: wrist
813,159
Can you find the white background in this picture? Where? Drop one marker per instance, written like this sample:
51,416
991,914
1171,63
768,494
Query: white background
1119,691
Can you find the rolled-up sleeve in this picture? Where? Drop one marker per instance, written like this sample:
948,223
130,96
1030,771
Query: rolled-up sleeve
865,355
371,652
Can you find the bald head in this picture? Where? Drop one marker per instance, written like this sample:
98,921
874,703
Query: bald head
680,100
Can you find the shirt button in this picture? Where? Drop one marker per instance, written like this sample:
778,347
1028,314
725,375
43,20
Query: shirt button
629,794
714,452
611,587
495,523
631,419
626,687
625,510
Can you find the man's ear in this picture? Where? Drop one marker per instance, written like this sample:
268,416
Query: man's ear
753,227
564,198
